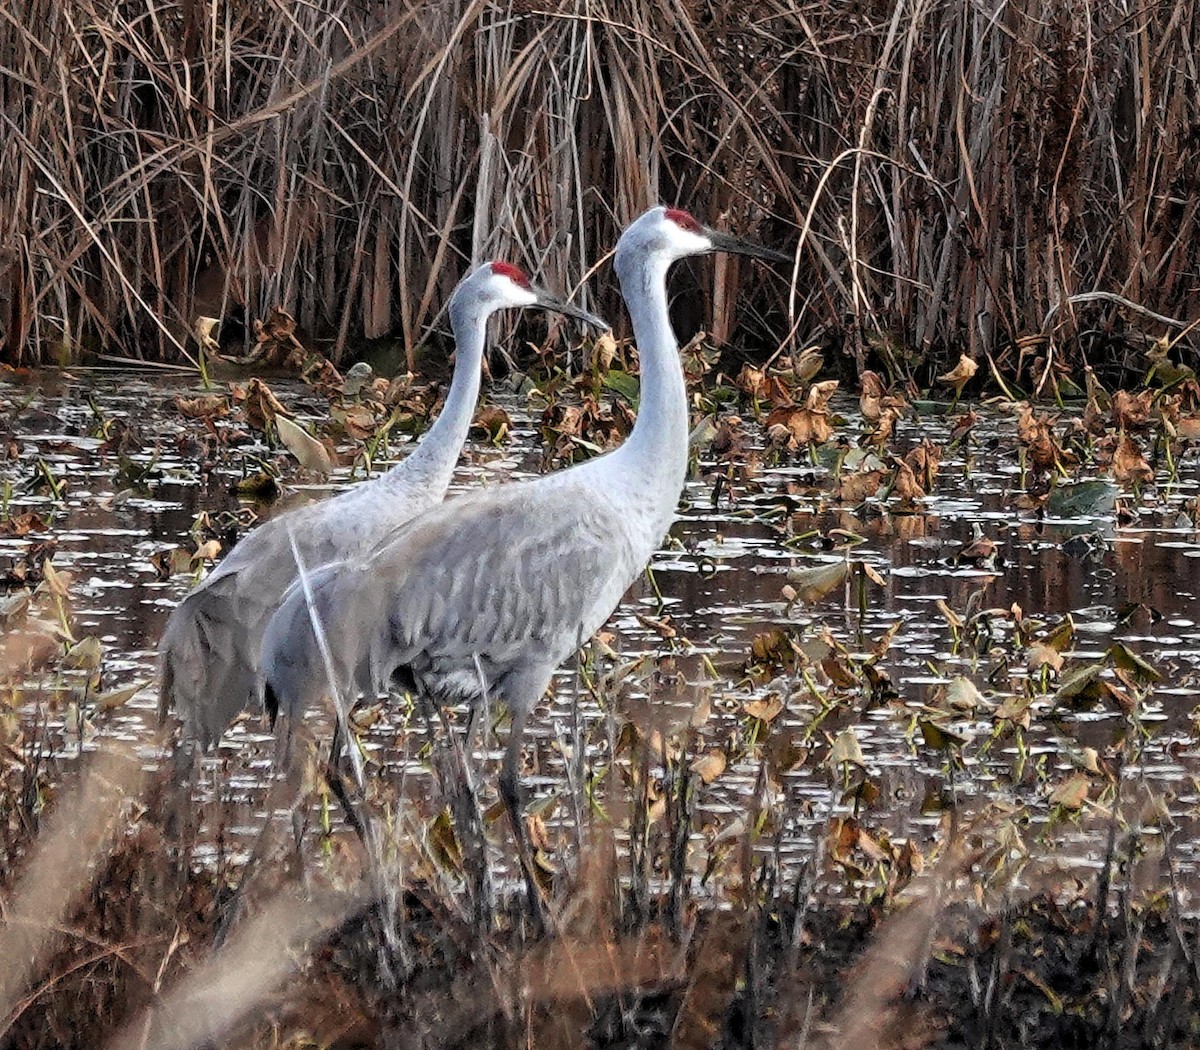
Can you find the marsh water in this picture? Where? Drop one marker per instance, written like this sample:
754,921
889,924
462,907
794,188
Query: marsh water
1129,574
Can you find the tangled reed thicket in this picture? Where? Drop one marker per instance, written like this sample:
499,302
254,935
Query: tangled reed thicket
954,173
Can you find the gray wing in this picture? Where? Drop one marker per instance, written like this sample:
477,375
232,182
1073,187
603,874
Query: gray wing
509,582
210,648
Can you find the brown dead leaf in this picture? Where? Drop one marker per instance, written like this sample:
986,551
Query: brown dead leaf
806,426
202,329
1037,436
846,750
925,460
1129,466
753,382
819,395
309,452
260,405
961,426
858,487
276,342
357,420
493,423
765,710
710,766
206,406
1042,655
960,374
1188,428
870,398
1132,411
22,525
906,486
885,426
1072,793
808,365
208,551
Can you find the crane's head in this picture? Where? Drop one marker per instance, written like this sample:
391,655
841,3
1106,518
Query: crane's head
500,285
668,234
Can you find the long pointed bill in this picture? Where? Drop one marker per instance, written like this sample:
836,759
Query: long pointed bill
547,301
724,242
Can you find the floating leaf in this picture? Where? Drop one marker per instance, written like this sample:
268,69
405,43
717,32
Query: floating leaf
962,695
309,452
766,709
493,422
772,647
206,406
846,749
710,766
118,697
858,487
814,583
1015,709
960,375
1082,499
22,525
1072,793
1079,687
938,736
85,655
1042,655
1126,659
259,485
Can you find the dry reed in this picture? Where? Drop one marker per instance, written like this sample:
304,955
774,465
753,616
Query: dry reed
955,174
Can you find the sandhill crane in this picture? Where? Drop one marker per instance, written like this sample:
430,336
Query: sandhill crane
211,644
485,595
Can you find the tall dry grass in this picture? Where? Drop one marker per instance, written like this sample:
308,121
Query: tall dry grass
954,173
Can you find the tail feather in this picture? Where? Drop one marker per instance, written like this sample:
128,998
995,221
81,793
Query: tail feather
208,669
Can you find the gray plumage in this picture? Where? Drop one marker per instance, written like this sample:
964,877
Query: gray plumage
212,643
465,597
487,594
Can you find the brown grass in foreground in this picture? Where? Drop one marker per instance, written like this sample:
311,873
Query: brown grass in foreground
1019,182
633,963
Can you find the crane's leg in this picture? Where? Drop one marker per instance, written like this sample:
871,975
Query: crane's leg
510,792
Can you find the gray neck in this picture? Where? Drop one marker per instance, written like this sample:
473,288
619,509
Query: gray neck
654,458
433,462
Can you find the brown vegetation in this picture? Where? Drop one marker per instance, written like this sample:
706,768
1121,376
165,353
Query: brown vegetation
959,179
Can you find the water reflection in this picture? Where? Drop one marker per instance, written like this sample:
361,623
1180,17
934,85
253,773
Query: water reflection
720,578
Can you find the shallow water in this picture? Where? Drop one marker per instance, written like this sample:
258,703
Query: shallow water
721,575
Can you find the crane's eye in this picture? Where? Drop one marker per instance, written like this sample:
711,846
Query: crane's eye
684,220
513,273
